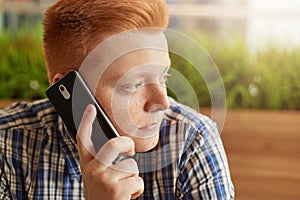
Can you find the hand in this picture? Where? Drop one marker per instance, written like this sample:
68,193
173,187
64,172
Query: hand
102,180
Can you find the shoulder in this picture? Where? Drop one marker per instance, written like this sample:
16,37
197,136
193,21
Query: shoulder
27,115
203,161
23,128
24,135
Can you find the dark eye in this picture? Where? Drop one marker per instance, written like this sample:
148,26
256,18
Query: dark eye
134,87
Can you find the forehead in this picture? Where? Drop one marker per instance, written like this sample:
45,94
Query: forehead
138,62
120,52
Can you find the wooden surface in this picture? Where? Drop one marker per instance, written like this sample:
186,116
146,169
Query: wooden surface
263,149
4,103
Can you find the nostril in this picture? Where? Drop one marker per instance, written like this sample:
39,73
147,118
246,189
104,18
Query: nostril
156,107
159,105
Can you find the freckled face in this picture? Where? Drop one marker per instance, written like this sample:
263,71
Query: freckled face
132,91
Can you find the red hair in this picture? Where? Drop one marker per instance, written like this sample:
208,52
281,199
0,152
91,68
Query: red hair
72,28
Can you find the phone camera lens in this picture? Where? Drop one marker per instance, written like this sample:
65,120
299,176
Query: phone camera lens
61,88
64,92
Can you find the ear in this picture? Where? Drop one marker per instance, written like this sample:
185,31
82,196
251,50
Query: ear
56,77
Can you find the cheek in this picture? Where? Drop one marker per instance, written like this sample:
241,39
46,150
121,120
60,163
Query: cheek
136,110
116,110
128,111
135,104
125,112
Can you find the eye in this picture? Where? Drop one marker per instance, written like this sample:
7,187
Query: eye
134,87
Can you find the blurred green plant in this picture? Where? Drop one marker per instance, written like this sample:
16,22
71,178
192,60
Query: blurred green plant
265,79
22,65
268,79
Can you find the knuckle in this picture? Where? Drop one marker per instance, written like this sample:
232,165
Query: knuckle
129,140
104,177
132,163
140,183
94,173
115,191
131,167
114,142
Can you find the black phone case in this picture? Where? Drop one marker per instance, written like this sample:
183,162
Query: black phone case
71,103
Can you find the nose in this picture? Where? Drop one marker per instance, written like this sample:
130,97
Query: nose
157,99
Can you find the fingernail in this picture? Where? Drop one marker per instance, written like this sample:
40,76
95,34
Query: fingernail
88,108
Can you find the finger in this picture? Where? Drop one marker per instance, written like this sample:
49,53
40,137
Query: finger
113,148
124,169
84,143
133,186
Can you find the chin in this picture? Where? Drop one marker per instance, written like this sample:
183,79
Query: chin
143,145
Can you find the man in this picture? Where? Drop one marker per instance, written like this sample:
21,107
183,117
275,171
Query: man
174,152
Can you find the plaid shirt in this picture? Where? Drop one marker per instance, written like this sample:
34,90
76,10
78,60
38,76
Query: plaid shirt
39,158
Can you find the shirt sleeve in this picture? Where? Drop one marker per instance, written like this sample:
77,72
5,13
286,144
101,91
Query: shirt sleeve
4,186
204,173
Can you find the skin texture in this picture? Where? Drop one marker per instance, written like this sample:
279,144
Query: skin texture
132,91
101,181
133,94
72,29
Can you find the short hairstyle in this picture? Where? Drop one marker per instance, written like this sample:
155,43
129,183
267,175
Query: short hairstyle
72,28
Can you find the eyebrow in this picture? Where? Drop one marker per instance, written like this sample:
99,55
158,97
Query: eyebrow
142,74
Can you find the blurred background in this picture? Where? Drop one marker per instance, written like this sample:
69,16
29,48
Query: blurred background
256,47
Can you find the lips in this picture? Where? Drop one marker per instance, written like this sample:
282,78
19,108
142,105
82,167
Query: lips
150,127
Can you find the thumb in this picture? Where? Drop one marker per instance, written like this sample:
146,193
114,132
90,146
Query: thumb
84,143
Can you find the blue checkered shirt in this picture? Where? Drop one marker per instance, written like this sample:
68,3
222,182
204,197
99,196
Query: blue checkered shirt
39,158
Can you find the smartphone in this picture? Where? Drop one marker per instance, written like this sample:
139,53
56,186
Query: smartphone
70,96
